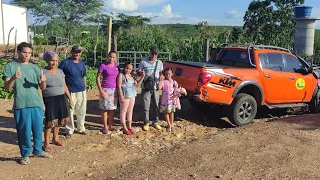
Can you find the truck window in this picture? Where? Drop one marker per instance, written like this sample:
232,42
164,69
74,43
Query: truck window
292,63
272,61
234,57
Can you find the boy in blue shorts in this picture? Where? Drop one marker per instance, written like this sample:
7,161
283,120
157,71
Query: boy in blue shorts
25,79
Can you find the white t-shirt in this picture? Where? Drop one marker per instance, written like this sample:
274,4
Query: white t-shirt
149,68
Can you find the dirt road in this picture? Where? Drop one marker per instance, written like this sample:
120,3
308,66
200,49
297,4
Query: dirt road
204,146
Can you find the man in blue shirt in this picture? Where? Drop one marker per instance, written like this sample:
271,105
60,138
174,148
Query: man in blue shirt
75,72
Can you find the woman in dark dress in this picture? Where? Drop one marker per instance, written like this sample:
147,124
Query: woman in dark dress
55,99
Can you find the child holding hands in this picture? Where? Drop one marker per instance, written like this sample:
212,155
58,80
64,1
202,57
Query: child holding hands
126,85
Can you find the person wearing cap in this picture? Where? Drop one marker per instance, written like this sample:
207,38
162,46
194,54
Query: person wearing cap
152,68
75,76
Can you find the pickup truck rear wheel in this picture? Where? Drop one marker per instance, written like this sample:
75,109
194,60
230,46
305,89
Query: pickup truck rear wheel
243,109
314,105
198,105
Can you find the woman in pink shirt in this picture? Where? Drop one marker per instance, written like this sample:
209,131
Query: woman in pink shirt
108,100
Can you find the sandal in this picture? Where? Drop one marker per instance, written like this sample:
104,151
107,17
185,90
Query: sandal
131,130
168,129
112,129
43,155
25,161
127,132
104,131
47,149
58,143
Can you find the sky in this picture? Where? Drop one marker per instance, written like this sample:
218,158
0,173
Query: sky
215,12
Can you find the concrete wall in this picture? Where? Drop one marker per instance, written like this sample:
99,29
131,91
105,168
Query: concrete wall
1,25
14,16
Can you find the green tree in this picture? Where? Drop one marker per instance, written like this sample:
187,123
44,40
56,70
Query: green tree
269,22
127,22
65,13
98,19
205,31
236,35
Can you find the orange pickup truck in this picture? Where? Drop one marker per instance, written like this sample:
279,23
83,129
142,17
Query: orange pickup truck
245,77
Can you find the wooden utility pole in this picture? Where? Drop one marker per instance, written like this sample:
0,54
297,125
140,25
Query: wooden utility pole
206,50
109,35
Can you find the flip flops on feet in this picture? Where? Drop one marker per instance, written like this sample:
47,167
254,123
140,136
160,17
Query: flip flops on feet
58,143
127,132
43,155
112,129
104,131
131,130
47,149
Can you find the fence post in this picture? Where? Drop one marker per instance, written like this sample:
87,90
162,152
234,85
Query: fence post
109,35
206,50
169,56
118,60
135,60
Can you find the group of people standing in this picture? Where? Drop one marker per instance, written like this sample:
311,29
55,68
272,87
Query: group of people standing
58,92
120,86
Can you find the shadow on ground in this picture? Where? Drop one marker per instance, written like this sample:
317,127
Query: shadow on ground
7,130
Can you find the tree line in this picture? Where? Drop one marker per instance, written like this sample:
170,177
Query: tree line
265,22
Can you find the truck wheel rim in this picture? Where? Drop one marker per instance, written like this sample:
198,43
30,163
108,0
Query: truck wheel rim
245,111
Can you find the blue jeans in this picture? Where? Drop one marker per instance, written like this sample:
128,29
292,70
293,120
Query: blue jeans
29,121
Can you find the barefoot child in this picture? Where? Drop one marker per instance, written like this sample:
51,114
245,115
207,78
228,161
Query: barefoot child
126,85
168,99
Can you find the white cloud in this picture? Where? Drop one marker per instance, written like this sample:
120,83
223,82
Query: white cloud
123,5
167,16
232,14
130,5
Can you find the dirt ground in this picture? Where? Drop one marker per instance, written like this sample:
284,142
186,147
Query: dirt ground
204,146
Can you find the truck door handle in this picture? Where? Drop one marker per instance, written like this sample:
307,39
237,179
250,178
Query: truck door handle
267,76
292,78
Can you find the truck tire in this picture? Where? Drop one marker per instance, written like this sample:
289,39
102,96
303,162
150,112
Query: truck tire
243,109
314,105
198,105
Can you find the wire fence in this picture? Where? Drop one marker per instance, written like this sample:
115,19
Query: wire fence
134,57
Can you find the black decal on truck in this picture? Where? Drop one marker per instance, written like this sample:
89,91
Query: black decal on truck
227,82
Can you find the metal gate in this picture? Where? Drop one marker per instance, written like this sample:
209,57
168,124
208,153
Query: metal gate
134,57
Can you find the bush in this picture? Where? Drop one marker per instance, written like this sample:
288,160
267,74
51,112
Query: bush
3,94
91,77
39,39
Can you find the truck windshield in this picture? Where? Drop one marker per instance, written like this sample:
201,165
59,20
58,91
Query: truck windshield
234,57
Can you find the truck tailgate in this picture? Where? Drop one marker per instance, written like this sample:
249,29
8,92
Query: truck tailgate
185,73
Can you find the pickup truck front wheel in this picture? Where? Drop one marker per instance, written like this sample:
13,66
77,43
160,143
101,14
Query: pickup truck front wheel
314,105
199,105
243,109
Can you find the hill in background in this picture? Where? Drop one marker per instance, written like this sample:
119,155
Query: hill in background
190,29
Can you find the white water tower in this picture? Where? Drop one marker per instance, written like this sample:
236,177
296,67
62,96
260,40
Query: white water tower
305,31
